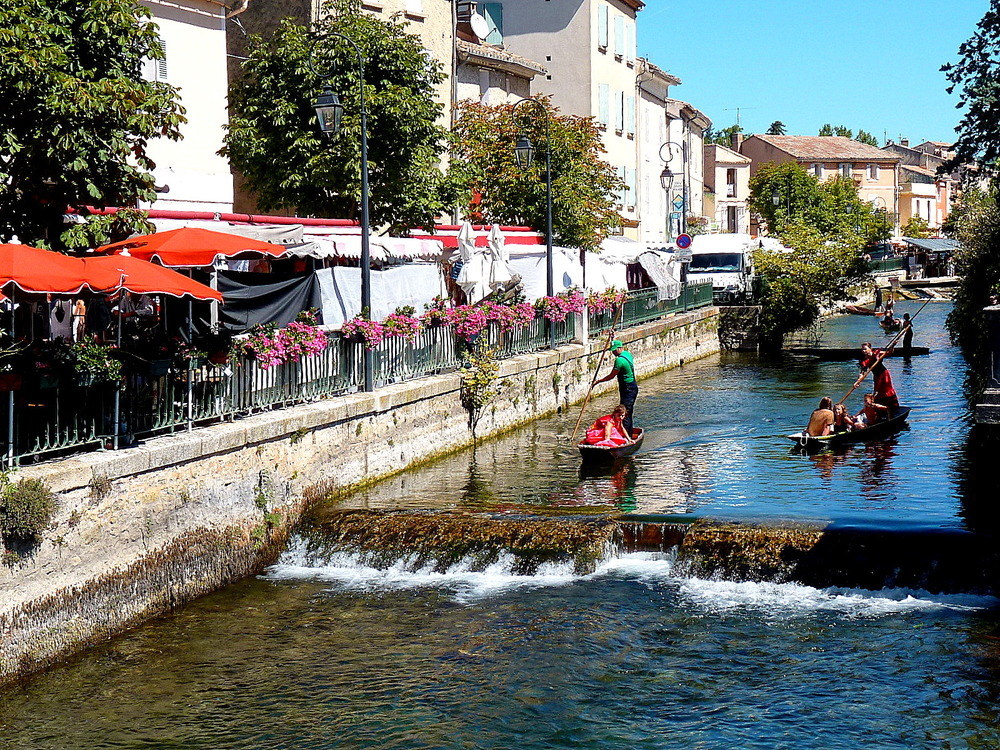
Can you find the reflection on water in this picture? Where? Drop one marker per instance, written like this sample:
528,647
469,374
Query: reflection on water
715,445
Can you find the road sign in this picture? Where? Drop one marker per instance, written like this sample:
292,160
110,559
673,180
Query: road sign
678,202
683,241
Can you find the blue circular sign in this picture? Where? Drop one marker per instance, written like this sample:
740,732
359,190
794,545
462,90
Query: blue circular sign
683,241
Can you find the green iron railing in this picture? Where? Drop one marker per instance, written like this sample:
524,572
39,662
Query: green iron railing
642,305
887,264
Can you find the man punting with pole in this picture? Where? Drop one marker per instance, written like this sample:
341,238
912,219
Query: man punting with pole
872,360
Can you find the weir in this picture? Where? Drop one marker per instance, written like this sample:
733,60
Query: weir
813,554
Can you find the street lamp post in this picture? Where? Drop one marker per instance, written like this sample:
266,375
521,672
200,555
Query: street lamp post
329,112
524,155
667,177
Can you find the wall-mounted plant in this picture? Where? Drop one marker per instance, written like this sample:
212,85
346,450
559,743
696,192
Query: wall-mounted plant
480,371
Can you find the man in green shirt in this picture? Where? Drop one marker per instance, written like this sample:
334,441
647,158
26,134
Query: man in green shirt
628,389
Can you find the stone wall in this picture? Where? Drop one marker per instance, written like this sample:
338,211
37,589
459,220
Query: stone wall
140,531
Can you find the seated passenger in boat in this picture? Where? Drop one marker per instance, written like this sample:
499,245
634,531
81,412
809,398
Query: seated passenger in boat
872,413
842,421
821,420
609,431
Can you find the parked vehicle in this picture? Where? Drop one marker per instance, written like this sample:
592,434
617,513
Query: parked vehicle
727,261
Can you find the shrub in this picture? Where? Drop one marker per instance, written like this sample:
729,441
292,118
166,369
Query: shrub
26,509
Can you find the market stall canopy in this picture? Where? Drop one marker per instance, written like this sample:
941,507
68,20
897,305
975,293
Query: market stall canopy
32,269
124,272
192,247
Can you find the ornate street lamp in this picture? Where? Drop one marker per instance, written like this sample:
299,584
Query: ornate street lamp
329,112
667,177
524,155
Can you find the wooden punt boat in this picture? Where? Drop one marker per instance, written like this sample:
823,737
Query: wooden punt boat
874,432
891,325
602,454
845,355
859,310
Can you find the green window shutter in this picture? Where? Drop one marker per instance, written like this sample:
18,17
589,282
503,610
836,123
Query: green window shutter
493,13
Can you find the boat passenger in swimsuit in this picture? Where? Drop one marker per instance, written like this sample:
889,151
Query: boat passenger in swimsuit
872,413
609,431
885,394
842,421
821,420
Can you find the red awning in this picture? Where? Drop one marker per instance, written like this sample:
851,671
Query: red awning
31,269
192,247
142,277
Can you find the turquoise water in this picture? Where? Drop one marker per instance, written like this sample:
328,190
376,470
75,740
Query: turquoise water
325,652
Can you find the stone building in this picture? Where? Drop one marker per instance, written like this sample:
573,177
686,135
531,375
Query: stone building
727,189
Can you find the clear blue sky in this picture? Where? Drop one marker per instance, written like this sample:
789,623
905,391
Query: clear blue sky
869,64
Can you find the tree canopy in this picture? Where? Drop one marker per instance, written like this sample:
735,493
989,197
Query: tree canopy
722,137
787,193
77,114
489,182
275,141
776,128
975,77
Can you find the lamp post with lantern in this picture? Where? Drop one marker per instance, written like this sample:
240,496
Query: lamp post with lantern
524,155
667,177
329,113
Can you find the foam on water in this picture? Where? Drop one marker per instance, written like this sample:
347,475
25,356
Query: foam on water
346,571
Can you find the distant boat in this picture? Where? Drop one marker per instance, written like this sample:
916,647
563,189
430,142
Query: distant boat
892,324
844,355
859,310
602,454
873,432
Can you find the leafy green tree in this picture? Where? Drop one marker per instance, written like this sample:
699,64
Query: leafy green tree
777,128
787,193
76,113
274,139
977,263
864,136
974,76
796,286
583,184
722,137
828,130
916,227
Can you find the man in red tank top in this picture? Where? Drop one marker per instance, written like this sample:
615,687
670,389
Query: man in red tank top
885,394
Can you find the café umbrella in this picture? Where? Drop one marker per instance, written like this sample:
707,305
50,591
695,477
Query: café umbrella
37,271
193,247
130,274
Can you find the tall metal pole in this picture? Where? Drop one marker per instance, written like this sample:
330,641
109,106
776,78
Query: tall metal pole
684,185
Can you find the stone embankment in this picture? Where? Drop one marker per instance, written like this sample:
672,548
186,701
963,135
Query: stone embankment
141,531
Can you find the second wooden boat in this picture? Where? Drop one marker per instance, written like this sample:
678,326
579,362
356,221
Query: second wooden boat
844,355
874,432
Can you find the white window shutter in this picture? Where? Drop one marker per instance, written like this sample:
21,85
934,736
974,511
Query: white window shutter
602,26
604,104
629,41
630,115
619,35
619,111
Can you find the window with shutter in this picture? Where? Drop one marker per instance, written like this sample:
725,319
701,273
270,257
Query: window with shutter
493,13
619,36
604,104
156,70
629,41
630,115
619,111
629,186
602,26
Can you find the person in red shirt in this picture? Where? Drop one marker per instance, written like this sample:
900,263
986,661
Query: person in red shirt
608,431
885,394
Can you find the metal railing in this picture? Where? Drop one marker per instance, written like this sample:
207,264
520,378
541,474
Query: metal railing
642,306
50,416
887,264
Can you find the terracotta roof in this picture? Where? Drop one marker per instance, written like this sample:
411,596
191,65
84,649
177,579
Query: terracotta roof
826,148
918,170
467,50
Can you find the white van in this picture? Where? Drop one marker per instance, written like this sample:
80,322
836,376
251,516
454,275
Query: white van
727,261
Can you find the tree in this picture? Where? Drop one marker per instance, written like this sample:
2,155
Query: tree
483,169
916,228
828,130
864,136
975,78
722,137
274,139
777,128
77,114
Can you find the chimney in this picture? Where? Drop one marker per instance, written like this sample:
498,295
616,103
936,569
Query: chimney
904,141
736,141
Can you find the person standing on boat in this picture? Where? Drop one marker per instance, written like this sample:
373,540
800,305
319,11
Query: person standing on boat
623,368
885,394
907,333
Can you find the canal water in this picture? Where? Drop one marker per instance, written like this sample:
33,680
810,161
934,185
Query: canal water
331,653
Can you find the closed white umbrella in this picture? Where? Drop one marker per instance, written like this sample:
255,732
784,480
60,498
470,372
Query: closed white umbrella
474,275
500,271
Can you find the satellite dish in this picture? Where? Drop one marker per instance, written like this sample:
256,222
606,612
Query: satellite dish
479,26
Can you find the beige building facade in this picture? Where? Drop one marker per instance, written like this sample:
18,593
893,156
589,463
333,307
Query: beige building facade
189,173
727,190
